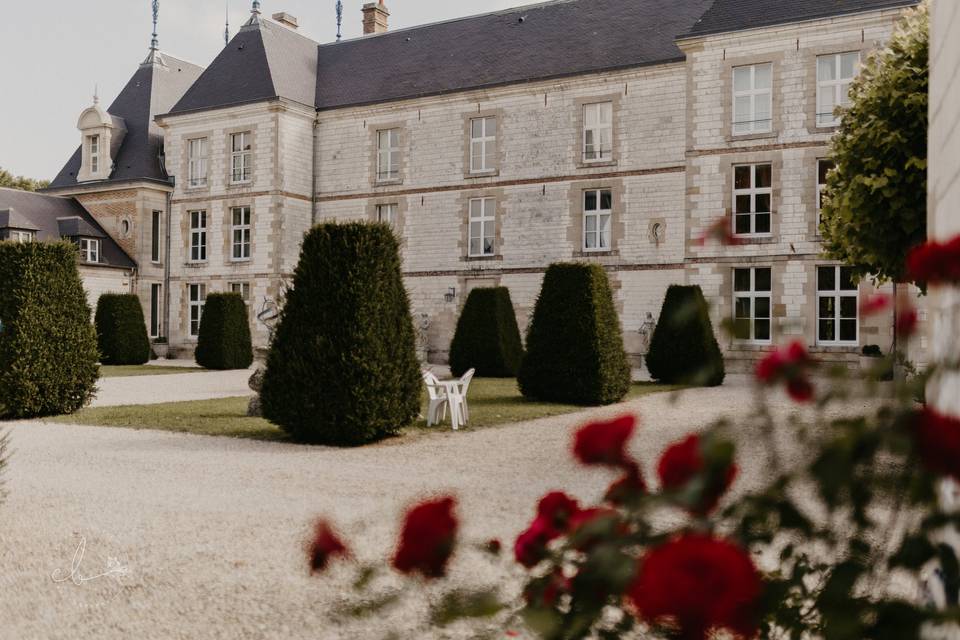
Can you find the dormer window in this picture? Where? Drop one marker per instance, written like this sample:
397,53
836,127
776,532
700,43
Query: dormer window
89,249
21,237
94,154
101,135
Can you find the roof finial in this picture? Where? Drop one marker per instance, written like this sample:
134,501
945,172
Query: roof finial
154,43
96,94
256,7
339,19
226,31
254,14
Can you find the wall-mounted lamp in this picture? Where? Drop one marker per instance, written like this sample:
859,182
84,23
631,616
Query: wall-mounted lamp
450,295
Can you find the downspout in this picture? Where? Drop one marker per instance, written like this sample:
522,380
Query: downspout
313,164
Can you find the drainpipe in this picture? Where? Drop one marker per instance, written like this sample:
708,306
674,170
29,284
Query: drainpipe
313,164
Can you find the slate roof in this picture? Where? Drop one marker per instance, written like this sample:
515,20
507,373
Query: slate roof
152,90
52,217
552,40
264,61
737,15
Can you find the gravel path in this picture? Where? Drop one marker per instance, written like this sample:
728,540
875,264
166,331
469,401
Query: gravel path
210,529
177,387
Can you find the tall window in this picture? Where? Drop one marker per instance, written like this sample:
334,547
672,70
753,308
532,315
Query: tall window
198,296
155,236
482,227
242,289
823,168
89,250
483,144
94,154
752,192
837,302
753,99
197,162
387,213
597,132
388,154
198,236
597,212
751,304
241,157
156,303
834,75
240,231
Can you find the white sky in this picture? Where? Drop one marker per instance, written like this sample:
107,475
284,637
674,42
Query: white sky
52,52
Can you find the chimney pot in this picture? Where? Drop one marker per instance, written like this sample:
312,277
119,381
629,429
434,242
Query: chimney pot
286,19
375,16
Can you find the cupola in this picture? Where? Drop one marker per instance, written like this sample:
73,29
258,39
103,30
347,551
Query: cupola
100,137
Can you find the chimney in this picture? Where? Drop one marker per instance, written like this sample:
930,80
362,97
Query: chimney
286,19
375,16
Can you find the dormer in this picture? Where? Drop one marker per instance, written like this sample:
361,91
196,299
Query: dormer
100,137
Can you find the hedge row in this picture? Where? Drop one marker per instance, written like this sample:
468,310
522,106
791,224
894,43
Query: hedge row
487,338
121,330
224,339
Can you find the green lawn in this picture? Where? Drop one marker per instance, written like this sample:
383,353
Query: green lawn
492,402
109,371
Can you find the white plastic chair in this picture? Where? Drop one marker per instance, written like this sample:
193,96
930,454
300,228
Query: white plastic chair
458,400
438,401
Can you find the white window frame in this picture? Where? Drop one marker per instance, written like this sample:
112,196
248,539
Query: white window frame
837,294
197,162
838,88
747,124
820,188
156,307
241,157
597,132
197,298
244,289
482,227
240,234
603,222
95,153
388,155
89,249
21,237
388,213
198,235
753,295
753,191
483,146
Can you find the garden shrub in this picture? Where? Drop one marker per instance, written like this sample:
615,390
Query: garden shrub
121,330
683,349
48,346
224,338
487,338
574,344
342,368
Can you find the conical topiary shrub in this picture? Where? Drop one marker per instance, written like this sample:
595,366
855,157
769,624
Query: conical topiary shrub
48,346
487,338
684,349
574,344
121,330
224,339
342,368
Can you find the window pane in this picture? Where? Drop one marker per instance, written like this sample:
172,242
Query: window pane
762,203
826,69
848,330
826,279
742,308
764,177
761,308
762,224
475,208
590,201
741,112
763,78
474,245
846,279
762,279
848,307
828,308
741,328
848,64
488,246
742,204
761,330
741,279
491,127
743,224
591,224
477,126
762,109
827,331
606,200
741,177
741,79
823,168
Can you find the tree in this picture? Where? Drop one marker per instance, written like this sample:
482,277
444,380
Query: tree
224,340
7,179
684,349
121,330
487,338
342,368
875,209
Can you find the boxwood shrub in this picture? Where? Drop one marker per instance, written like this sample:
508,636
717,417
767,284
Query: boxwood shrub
487,338
121,330
574,344
684,349
342,368
223,341
48,346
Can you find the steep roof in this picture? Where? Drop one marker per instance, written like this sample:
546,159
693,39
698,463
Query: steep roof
264,61
153,89
561,38
737,15
52,217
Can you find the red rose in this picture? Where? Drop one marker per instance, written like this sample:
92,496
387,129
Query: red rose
698,584
682,462
531,545
721,231
800,389
907,322
935,263
938,441
556,509
605,442
790,365
324,546
427,540
871,305
628,488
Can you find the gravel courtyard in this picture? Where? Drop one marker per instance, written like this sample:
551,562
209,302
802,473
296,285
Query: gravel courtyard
210,530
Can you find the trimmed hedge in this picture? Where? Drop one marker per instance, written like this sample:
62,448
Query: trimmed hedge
121,330
487,337
684,349
574,344
342,369
223,341
48,346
